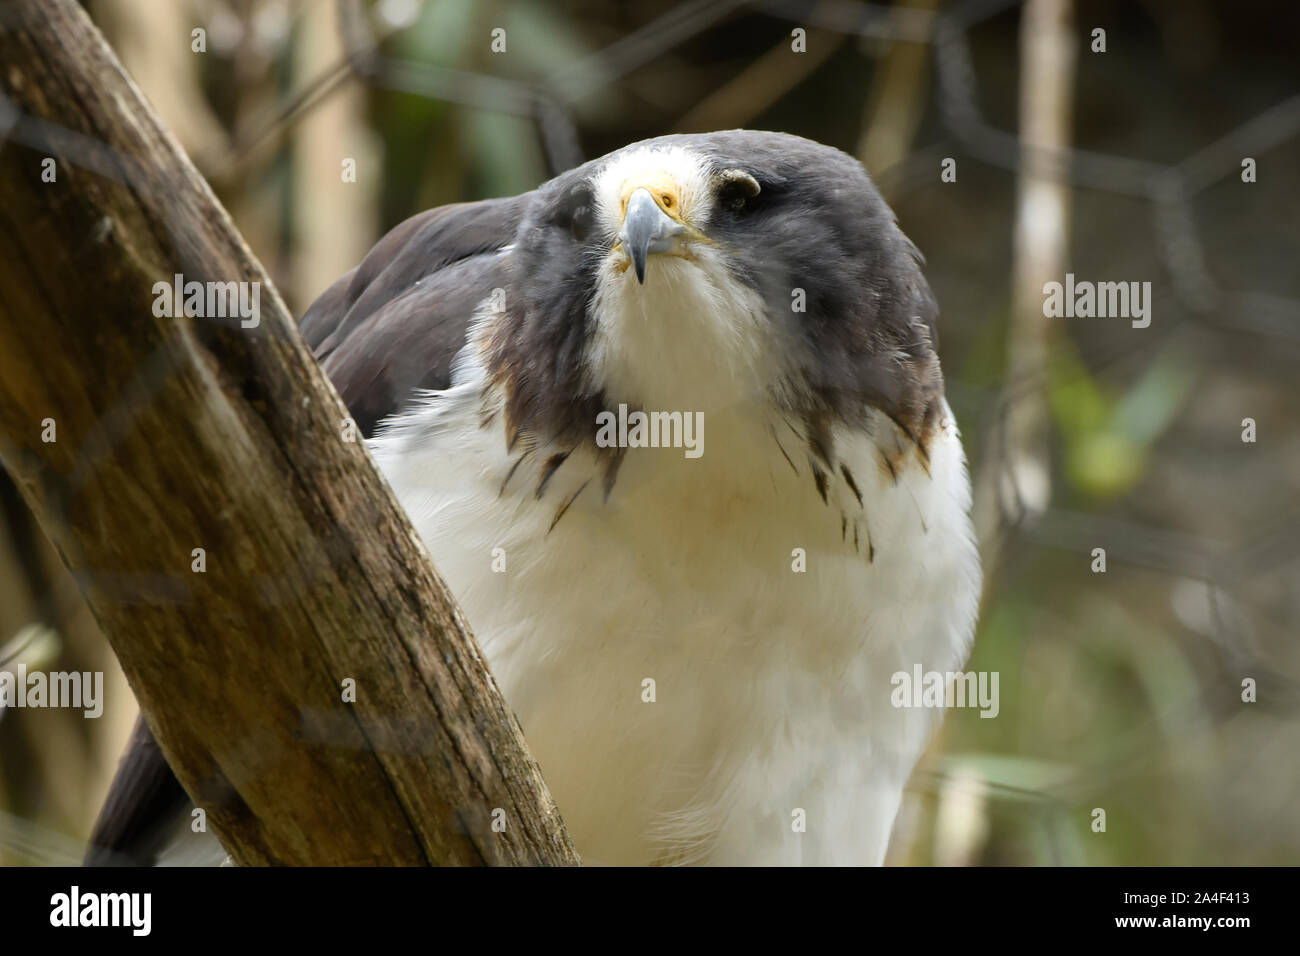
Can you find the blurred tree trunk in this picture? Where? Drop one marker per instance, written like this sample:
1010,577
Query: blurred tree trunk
242,556
1015,485
335,221
898,96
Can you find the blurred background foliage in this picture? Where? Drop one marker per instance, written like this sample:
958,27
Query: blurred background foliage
1118,690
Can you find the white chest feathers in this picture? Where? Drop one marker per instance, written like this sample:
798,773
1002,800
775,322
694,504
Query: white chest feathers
701,662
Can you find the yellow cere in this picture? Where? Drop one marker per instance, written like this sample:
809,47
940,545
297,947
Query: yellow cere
667,194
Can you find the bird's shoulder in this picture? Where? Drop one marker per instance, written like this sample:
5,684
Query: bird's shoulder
395,323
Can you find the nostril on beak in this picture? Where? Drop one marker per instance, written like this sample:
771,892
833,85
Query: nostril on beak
646,229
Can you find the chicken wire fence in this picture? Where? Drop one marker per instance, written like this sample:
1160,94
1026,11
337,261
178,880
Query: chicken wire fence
1168,192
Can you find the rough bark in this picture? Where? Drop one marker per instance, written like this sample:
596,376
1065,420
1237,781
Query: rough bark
174,434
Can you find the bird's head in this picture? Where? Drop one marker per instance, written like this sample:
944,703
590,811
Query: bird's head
662,202
706,271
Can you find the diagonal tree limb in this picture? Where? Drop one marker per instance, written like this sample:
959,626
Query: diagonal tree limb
177,434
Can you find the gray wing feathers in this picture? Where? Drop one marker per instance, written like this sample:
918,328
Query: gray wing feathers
395,323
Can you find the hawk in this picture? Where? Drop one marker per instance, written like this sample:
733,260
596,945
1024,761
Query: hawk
696,615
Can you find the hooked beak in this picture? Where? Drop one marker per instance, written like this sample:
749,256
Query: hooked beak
646,229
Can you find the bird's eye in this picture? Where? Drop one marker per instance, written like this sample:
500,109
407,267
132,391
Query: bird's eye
580,224
578,212
735,189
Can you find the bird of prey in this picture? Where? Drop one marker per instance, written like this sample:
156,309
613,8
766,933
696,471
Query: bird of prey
673,428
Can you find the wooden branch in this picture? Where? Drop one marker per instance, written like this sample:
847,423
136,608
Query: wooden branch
176,434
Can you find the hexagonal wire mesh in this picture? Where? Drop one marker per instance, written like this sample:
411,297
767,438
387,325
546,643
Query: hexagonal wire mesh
1123,689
